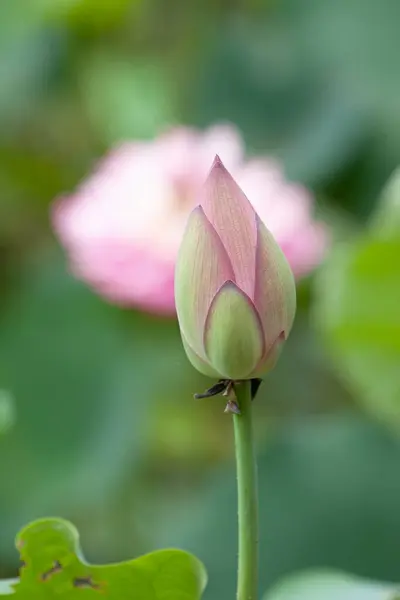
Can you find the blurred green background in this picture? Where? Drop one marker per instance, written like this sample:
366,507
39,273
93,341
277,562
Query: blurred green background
87,431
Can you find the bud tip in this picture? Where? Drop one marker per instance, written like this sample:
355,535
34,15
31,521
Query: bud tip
217,162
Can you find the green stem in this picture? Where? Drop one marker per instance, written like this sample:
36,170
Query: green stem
247,495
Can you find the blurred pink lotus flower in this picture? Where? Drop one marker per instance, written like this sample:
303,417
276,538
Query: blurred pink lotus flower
123,227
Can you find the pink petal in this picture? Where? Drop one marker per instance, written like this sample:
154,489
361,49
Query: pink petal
202,268
234,220
275,292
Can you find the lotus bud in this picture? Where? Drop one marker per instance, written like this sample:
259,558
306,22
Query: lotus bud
234,290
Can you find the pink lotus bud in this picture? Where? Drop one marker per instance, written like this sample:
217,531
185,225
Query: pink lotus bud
234,290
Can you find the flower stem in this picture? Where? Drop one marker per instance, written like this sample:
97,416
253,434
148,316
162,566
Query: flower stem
247,495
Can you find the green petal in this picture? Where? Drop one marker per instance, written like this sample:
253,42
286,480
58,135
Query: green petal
233,335
270,359
275,289
198,363
202,268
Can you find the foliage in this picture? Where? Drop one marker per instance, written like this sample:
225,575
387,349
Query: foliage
52,566
357,308
97,421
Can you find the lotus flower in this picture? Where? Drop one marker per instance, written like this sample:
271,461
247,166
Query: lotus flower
234,290
123,226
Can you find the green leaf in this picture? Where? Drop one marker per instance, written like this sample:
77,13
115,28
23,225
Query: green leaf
325,585
357,310
53,566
